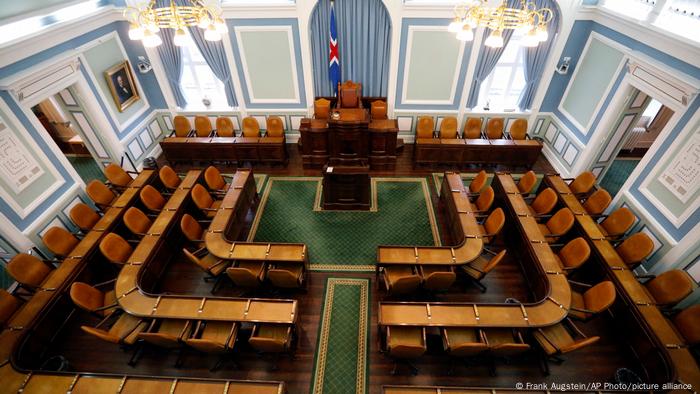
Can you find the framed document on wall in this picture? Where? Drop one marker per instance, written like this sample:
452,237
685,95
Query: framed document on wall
122,86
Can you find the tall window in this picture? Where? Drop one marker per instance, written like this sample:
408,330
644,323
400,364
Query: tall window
501,89
198,82
681,17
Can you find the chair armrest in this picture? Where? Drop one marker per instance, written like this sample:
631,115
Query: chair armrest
218,263
105,282
489,251
208,209
554,235
586,285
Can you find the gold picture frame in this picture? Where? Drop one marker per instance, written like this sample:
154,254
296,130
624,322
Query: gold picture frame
120,80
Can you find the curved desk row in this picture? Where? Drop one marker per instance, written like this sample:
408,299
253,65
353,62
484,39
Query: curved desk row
253,149
226,226
135,301
555,292
667,340
463,227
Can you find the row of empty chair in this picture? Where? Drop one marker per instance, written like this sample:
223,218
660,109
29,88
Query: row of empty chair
205,143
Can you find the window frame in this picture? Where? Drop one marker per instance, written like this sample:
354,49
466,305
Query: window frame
517,66
191,65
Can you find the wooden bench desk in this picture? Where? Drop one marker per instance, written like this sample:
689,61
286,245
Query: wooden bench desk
431,151
253,149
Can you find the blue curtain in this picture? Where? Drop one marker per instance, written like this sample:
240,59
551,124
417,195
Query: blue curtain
364,39
171,57
215,55
487,60
536,57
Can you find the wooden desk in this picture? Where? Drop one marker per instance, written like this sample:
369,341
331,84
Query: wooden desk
431,151
346,188
256,149
382,149
554,293
659,346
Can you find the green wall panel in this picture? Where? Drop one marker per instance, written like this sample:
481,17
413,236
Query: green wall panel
269,64
434,54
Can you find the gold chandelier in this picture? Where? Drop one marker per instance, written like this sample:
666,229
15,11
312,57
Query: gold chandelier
147,20
528,19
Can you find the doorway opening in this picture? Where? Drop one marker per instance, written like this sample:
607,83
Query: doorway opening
56,115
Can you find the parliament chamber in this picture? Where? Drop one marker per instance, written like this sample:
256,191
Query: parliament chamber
457,197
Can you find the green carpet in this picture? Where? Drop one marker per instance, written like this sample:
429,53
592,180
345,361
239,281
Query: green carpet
468,176
344,240
618,173
87,168
341,363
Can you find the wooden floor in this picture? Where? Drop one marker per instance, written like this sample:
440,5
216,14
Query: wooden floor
594,364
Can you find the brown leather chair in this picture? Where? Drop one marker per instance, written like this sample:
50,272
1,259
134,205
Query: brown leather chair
573,255
472,129
93,300
214,180
117,176
182,125
597,202
115,249
83,216
378,109
152,199
275,127
425,127
100,194
224,127
169,178
202,126
167,334
504,343
635,249
518,129
558,339
526,183
251,127
286,275
494,128
687,322
400,279
595,300
59,241
558,225
137,222
404,344
671,287
247,274
124,331
544,202
203,200
484,202
463,342
477,269
193,230
349,94
208,263
617,223
492,226
29,272
583,183
437,277
322,109
448,127
271,339
9,304
478,183
214,337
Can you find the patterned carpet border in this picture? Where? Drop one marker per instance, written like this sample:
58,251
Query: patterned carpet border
321,355
316,208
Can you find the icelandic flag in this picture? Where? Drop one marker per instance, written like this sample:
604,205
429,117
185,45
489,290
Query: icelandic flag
334,59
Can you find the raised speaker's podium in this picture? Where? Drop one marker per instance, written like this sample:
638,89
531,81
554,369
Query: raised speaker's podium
346,187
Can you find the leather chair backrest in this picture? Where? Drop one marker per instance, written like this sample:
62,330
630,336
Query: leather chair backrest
99,193
117,176
439,280
201,197
495,260
478,182
59,241
599,297
405,285
545,201
494,222
213,178
349,94
635,248
687,322
494,128
243,277
425,127
191,228
322,108
518,129
583,183
597,202
168,177
83,216
151,198
115,248
275,127
27,270
202,126
575,253
137,221
8,306
283,278
224,127
193,258
527,182
485,200
618,222
267,345
251,127
86,297
472,129
561,222
378,109
448,127
671,287
182,126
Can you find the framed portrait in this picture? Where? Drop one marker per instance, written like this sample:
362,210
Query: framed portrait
121,84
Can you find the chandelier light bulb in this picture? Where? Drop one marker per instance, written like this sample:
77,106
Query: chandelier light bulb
180,37
151,39
494,40
466,34
211,34
542,34
455,26
135,32
204,22
530,39
220,26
